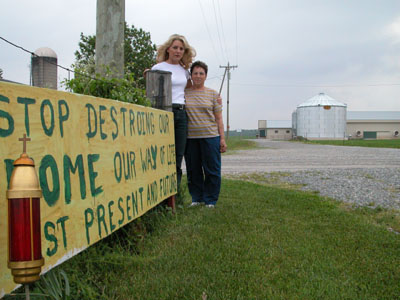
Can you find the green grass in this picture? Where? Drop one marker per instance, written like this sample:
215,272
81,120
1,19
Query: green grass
237,143
395,143
260,242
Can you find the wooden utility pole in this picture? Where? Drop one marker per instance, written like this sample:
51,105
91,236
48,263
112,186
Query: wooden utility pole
227,69
110,37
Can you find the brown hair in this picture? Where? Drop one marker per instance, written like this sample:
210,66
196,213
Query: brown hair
199,64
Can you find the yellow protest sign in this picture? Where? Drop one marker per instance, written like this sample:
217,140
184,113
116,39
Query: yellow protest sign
100,163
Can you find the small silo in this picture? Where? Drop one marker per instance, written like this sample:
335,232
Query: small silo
321,117
44,68
294,123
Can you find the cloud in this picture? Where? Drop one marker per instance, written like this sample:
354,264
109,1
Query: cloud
393,31
287,50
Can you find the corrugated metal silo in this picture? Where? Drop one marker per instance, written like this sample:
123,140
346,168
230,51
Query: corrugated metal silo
321,117
294,123
44,68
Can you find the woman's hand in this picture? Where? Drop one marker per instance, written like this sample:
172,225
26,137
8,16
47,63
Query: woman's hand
219,100
222,146
220,124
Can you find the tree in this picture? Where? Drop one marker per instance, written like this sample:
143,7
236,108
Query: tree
139,53
1,74
84,57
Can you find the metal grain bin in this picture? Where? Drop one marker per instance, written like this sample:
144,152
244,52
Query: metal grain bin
321,117
44,68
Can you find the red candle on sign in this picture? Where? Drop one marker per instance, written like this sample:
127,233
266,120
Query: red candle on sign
24,239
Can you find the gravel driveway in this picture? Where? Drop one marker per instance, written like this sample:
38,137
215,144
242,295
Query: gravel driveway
358,175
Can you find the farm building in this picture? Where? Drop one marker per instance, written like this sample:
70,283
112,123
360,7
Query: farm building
322,117
275,129
373,124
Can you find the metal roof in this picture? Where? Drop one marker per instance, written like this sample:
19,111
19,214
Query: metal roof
45,52
373,115
321,100
279,124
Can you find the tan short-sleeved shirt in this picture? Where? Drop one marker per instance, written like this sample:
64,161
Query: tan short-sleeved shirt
201,107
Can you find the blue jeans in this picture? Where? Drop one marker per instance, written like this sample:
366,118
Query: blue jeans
180,126
203,165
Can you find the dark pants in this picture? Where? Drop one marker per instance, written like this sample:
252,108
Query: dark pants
203,165
180,125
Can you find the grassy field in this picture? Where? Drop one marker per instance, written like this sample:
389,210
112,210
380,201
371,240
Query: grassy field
361,143
238,143
260,242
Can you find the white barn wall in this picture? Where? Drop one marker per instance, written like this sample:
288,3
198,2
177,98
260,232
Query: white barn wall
384,129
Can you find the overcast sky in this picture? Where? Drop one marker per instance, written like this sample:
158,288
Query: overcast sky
287,51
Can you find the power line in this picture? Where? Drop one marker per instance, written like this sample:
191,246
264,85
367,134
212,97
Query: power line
53,63
214,77
34,54
208,31
216,22
222,30
219,28
315,85
236,23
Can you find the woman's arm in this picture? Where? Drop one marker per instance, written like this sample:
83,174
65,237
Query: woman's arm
189,84
220,123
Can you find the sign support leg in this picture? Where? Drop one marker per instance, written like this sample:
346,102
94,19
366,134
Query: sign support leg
27,295
171,203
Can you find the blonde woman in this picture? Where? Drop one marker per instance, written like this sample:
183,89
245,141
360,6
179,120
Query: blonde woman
176,56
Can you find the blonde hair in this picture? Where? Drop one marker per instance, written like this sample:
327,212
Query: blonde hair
188,55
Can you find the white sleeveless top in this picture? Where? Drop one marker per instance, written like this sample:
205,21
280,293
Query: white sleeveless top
179,80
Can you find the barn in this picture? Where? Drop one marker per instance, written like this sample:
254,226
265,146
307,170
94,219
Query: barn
373,124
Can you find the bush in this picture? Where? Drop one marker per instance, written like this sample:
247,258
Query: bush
123,89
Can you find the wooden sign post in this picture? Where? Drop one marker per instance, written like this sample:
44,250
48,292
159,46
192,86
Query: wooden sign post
159,91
